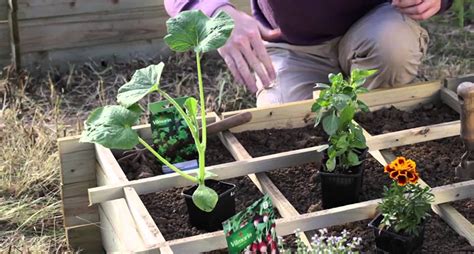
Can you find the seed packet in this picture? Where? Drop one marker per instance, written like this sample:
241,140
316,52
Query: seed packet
170,133
252,230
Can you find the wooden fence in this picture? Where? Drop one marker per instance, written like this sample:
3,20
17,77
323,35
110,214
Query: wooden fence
58,31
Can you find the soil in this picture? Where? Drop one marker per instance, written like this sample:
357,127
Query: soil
269,141
168,208
392,119
146,165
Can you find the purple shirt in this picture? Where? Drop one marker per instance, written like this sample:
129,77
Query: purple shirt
303,22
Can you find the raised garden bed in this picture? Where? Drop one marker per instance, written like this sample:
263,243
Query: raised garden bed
127,224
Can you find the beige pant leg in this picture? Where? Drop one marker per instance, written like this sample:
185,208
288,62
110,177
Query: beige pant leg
298,68
387,41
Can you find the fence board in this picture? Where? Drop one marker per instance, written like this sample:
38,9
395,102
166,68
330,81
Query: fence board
3,10
5,48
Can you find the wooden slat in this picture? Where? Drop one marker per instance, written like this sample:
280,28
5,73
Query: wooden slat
223,171
262,181
3,10
147,228
85,238
5,56
33,9
119,232
453,83
92,29
414,135
319,219
450,98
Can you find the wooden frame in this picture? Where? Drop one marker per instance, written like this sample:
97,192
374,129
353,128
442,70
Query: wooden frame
115,193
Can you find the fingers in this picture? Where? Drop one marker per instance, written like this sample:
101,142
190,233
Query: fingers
269,34
244,71
229,61
405,3
255,63
421,11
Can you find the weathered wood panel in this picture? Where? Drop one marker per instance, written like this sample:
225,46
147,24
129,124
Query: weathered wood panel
3,10
91,29
4,43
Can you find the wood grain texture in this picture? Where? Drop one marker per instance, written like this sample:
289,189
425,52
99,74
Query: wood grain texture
3,10
85,238
5,49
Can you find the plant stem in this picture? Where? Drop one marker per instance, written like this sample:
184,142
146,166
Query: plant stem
202,149
171,166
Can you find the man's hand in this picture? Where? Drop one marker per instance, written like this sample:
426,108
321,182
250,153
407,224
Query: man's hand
418,9
244,52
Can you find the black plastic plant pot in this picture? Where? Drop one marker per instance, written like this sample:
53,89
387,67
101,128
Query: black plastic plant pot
225,207
387,241
341,189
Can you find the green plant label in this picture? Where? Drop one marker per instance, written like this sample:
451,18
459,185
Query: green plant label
170,133
252,230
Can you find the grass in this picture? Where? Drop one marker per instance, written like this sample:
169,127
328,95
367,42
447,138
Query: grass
39,108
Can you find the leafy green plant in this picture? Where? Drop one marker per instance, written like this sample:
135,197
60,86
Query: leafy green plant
111,126
405,204
335,109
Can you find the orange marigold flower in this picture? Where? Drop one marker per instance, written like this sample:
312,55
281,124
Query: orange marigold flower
401,161
394,174
388,168
410,164
402,180
414,179
402,172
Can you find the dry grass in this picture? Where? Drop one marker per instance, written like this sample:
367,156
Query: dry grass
41,107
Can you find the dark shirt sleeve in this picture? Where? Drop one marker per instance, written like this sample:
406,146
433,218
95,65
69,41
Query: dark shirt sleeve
173,7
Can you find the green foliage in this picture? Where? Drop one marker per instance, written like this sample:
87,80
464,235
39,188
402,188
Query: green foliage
111,125
405,207
193,30
143,82
335,108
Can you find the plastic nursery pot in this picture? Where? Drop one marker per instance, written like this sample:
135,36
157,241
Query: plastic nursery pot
225,207
341,189
387,241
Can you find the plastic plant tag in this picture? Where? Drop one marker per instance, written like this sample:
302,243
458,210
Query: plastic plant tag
170,133
252,230
184,166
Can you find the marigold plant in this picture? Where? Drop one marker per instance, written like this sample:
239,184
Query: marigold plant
405,205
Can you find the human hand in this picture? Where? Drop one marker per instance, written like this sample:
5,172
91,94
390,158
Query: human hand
244,52
418,9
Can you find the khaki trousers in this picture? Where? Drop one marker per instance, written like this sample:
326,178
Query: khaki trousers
384,39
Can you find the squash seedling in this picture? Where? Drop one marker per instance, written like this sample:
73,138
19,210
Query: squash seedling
111,126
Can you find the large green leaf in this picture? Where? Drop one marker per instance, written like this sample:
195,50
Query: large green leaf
193,30
347,114
143,82
330,123
111,126
205,198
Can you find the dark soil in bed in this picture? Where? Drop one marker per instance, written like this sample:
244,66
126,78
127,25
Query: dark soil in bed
392,119
269,141
168,208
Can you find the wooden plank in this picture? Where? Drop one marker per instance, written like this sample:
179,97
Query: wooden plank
319,219
33,9
119,231
109,165
147,228
262,181
76,211
14,33
117,51
223,171
452,83
92,29
414,135
85,238
5,57
3,10
450,98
